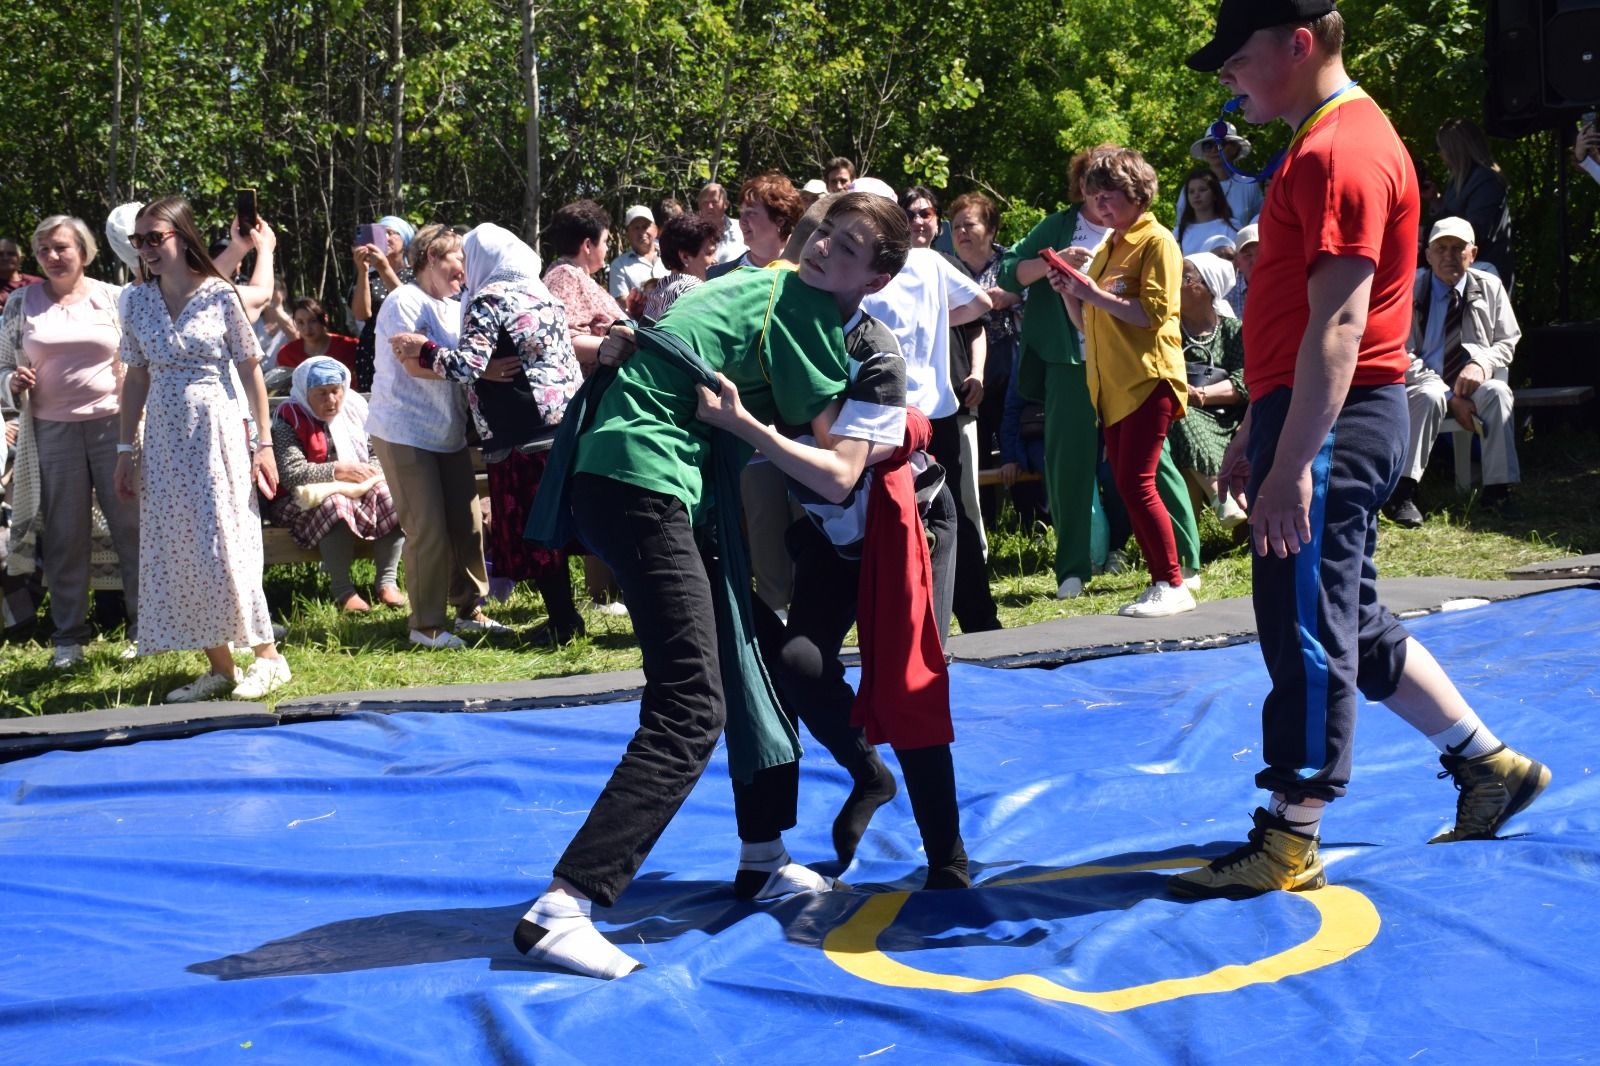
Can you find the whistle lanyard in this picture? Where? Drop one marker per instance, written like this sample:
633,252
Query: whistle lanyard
1219,131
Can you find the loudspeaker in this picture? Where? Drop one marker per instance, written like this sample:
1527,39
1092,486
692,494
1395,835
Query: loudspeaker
1542,58
1572,55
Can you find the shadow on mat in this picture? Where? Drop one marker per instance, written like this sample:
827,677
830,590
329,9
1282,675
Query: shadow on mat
653,910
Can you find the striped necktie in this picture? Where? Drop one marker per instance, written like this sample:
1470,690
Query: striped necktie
1455,354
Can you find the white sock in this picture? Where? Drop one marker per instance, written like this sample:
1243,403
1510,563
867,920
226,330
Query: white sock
766,872
1303,818
1468,738
557,930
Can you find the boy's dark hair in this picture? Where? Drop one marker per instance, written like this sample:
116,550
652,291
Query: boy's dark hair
574,223
888,222
839,162
684,235
312,306
920,192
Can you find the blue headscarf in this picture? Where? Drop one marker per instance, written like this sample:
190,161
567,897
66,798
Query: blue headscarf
399,225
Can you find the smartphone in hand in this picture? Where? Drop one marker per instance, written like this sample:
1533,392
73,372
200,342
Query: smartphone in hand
245,209
373,234
1053,259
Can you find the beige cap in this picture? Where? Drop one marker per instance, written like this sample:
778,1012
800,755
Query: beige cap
1247,236
1452,227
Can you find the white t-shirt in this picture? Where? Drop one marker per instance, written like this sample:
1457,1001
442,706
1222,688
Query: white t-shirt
416,412
1086,234
916,307
730,243
1592,166
1198,235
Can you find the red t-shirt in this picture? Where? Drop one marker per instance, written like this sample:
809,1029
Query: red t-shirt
1347,188
340,347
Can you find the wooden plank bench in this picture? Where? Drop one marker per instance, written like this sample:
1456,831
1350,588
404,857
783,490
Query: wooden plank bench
1525,400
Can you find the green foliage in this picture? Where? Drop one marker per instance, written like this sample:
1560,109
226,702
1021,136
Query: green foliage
645,98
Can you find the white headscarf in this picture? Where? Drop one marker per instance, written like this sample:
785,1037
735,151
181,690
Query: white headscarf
347,429
1219,277
495,254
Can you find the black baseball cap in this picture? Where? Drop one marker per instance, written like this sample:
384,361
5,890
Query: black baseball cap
1238,19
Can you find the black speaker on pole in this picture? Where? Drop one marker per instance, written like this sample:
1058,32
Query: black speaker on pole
1542,58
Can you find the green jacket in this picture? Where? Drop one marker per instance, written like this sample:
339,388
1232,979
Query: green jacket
1048,335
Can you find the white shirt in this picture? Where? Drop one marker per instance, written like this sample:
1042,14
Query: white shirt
730,245
916,307
1200,236
416,412
1591,165
630,270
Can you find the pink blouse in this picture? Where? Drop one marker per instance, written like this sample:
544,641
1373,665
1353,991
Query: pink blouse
73,351
586,302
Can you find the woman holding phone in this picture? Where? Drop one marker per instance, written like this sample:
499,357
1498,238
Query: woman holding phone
1126,302
380,260
200,570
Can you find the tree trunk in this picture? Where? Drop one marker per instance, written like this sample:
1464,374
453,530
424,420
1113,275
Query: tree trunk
112,194
530,90
397,145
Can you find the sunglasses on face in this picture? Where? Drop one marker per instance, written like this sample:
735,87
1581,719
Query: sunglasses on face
153,239
924,213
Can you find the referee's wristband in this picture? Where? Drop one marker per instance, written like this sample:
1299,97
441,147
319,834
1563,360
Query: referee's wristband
124,449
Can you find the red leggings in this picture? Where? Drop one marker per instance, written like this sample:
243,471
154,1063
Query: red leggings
1133,446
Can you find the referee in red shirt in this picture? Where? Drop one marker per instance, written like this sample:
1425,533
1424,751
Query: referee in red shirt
1322,447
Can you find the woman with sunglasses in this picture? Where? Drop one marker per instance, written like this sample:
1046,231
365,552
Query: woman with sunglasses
200,570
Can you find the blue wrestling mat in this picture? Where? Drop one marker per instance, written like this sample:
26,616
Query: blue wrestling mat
345,891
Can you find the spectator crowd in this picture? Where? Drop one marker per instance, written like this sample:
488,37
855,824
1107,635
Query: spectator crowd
1092,373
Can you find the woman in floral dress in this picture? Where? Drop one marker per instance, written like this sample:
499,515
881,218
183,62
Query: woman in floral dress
201,561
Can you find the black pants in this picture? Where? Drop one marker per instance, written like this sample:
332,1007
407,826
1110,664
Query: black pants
803,658
1324,635
972,602
647,541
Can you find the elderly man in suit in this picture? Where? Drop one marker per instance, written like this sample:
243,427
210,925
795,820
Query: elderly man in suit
1463,334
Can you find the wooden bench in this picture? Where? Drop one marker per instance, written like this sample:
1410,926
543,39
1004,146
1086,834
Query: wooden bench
1525,400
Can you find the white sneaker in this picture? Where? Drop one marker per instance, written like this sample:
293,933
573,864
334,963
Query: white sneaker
481,623
263,676
129,653
615,608
1070,589
442,639
207,686
1160,601
66,656
1191,578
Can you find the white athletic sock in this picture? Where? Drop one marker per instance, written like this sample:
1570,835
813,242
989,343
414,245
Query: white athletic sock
766,872
1468,738
1303,818
557,930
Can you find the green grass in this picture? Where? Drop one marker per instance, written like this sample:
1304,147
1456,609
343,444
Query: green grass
1560,502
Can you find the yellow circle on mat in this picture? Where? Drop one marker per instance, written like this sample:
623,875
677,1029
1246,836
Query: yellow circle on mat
1349,923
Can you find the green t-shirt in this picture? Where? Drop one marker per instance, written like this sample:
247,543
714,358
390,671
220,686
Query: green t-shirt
776,338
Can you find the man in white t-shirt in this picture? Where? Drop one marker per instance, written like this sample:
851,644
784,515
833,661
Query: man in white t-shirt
641,263
919,307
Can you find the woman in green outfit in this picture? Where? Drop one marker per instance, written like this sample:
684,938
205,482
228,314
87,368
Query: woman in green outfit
1213,349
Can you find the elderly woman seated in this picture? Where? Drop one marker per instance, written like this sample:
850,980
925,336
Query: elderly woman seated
1213,354
330,489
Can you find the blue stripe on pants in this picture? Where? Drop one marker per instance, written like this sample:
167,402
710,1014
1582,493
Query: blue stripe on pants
1308,601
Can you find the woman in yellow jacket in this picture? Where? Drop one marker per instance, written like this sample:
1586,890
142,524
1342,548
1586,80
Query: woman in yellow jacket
1127,307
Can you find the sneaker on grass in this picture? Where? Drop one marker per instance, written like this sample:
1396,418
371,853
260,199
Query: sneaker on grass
1160,600
207,686
263,676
